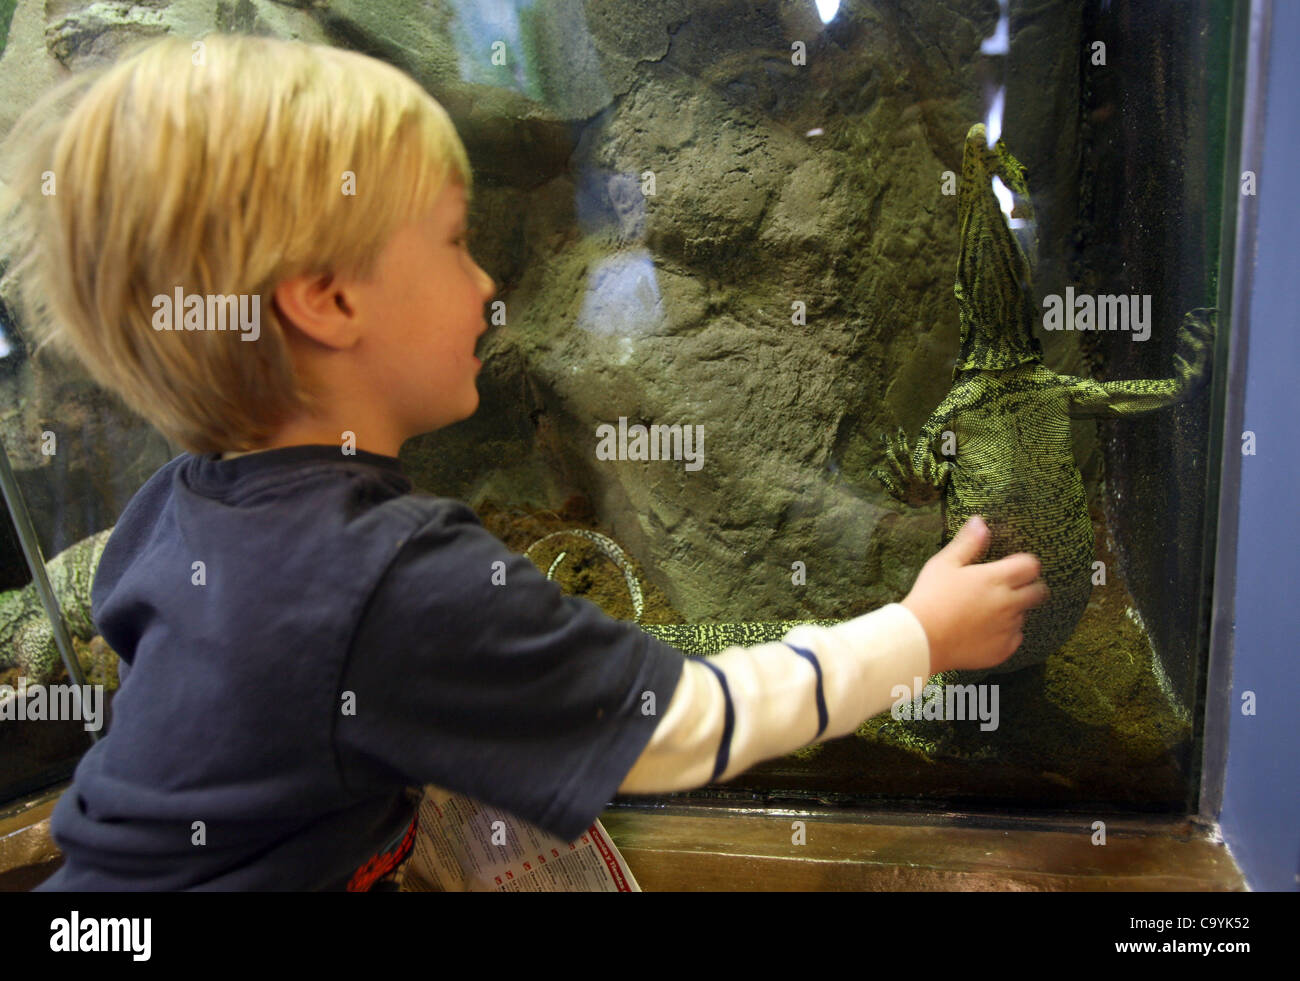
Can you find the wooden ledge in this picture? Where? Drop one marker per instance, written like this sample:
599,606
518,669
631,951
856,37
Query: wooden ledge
712,849
28,855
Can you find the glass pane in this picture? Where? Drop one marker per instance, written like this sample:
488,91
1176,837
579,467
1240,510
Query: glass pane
754,235
77,458
744,222
32,753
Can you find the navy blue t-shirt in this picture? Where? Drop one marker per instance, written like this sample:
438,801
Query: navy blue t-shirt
303,639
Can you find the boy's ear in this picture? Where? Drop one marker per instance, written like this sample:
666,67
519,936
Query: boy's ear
320,308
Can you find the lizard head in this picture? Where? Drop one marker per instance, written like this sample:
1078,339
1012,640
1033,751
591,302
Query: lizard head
994,286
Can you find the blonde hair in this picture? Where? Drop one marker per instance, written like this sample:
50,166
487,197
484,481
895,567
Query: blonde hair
219,167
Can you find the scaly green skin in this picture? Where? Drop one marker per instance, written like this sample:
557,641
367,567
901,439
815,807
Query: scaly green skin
713,638
1010,457
26,640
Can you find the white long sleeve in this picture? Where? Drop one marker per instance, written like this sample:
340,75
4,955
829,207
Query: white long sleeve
749,704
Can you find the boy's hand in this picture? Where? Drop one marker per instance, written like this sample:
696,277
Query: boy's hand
972,612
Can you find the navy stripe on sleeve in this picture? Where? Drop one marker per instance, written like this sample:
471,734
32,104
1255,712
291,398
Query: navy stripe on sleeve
822,716
728,724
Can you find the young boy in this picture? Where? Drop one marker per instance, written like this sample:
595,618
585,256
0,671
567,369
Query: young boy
302,637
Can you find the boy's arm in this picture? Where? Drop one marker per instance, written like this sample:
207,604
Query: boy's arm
750,704
471,671
960,613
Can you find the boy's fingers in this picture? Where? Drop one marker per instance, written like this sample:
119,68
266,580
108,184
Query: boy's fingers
1039,593
1017,570
1027,597
969,543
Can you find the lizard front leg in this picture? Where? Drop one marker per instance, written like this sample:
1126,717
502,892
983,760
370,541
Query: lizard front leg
1120,399
916,475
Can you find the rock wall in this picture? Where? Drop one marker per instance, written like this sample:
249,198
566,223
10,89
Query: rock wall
776,186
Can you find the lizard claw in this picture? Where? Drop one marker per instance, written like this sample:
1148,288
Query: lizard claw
1195,337
908,475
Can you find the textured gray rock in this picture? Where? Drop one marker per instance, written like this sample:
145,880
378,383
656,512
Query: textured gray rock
80,32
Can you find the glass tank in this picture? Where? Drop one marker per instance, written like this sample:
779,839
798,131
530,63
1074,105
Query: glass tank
786,291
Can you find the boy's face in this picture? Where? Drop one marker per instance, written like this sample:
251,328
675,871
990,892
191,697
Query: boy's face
424,311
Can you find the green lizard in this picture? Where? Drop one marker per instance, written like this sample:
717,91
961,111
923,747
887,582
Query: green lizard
1006,421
